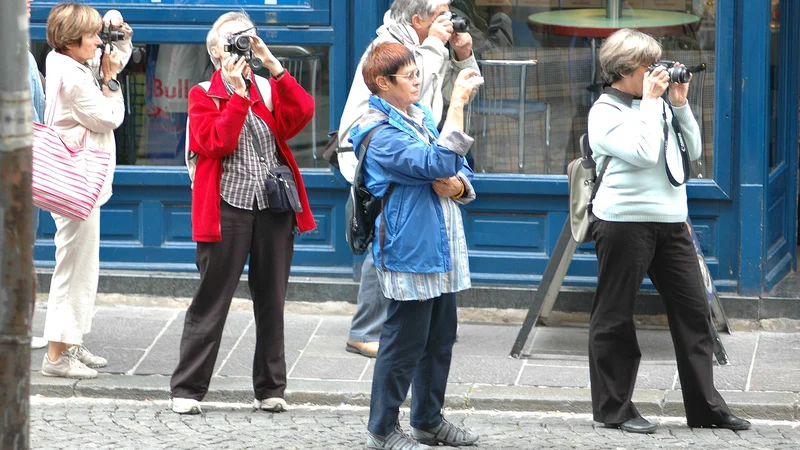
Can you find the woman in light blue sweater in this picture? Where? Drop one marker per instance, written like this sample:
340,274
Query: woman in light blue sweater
645,141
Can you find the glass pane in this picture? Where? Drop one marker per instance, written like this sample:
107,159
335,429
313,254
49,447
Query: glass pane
156,84
552,98
774,158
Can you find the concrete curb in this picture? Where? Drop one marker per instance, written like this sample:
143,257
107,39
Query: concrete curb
751,405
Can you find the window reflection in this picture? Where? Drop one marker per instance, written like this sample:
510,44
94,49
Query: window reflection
558,91
156,84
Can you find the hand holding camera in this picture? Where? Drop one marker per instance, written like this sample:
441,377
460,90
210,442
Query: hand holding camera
261,51
679,76
672,75
462,45
114,28
442,27
467,82
655,83
240,44
111,63
235,70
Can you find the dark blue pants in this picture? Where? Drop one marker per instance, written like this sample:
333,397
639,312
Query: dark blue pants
416,345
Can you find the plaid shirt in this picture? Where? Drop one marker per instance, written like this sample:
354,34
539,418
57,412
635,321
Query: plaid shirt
245,171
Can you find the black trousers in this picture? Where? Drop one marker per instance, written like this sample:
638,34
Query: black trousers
267,237
416,345
625,252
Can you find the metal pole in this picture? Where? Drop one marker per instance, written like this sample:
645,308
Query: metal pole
613,9
16,262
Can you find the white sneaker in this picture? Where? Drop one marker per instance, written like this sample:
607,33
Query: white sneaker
38,342
86,357
186,406
66,366
272,404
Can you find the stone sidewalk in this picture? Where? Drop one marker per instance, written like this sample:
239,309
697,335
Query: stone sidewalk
762,380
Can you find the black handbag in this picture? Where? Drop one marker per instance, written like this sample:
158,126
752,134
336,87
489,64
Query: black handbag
282,194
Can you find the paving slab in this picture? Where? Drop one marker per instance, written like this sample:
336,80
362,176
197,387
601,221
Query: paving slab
548,373
553,377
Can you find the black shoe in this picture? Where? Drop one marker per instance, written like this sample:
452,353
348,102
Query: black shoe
730,422
635,425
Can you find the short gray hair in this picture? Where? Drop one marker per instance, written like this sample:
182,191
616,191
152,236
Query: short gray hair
625,51
403,10
212,39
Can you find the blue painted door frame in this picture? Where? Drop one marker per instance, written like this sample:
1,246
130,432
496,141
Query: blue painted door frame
767,199
513,226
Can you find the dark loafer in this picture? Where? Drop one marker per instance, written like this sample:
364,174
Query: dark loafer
635,425
730,422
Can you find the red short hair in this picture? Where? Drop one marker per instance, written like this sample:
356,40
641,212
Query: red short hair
385,59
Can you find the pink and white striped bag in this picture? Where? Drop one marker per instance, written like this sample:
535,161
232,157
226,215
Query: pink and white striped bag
66,180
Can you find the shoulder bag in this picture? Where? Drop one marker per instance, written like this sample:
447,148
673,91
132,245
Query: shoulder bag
66,180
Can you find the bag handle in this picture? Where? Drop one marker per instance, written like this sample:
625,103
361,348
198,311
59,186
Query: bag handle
586,152
49,120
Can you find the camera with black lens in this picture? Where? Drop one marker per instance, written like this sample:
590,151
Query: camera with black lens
239,44
109,36
676,74
460,24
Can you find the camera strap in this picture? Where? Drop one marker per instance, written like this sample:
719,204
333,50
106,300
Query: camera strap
682,147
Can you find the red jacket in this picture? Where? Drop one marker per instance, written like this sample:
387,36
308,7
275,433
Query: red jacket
215,134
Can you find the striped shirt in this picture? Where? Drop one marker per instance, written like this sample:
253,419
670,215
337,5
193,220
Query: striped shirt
423,286
246,170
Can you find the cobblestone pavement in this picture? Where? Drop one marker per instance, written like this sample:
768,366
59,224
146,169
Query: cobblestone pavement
95,423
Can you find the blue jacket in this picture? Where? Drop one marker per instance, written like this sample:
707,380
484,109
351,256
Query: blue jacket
414,229
37,93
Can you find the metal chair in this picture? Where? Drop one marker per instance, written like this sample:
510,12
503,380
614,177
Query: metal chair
295,59
496,98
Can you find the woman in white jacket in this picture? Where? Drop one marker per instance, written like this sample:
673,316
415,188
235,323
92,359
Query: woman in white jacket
84,102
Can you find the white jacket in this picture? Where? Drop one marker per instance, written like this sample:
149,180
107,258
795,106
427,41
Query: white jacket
80,105
438,72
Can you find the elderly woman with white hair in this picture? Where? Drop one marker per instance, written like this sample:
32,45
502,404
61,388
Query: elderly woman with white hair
642,140
247,199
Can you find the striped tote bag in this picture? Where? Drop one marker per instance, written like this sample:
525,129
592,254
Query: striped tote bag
66,180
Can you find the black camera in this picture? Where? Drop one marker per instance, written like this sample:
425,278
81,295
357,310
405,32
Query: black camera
239,44
676,74
460,24
108,36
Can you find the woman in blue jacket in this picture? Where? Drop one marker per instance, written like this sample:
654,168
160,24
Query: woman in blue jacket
420,248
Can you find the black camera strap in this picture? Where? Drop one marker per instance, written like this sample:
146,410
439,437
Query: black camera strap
682,147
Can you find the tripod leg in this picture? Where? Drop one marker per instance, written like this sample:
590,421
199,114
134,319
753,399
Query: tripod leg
719,350
547,291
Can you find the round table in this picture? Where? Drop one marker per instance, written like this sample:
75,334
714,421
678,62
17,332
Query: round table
593,23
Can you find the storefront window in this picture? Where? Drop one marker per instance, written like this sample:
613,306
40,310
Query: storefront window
539,132
156,84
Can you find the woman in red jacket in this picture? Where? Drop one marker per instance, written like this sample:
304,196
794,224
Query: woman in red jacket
247,198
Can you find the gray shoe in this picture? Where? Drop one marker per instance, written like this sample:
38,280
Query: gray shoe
85,356
396,440
445,433
66,366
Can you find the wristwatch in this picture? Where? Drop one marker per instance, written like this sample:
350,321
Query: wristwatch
113,85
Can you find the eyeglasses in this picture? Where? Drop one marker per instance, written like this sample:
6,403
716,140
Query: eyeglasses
409,76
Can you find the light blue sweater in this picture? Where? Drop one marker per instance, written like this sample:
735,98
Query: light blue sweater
635,187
